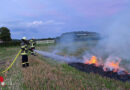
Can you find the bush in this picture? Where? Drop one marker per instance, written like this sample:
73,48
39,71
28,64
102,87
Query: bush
10,43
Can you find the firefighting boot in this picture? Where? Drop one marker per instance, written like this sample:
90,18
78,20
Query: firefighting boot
24,65
32,53
27,64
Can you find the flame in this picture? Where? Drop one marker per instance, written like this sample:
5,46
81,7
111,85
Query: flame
113,66
109,65
93,60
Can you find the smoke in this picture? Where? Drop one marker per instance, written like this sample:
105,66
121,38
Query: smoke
63,46
117,43
67,44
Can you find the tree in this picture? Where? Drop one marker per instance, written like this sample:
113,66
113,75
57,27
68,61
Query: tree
5,34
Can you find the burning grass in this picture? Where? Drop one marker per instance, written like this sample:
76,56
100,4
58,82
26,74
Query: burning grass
110,69
88,68
47,75
95,65
93,60
110,65
103,69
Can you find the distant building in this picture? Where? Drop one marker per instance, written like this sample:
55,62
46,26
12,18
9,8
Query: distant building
78,36
45,41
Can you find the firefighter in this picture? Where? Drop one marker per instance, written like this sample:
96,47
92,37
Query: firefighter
32,46
24,52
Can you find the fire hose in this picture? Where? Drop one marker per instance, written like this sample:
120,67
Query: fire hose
10,66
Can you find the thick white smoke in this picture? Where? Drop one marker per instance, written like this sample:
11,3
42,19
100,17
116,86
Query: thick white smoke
118,42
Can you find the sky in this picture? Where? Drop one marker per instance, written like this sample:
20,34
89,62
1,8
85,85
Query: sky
51,18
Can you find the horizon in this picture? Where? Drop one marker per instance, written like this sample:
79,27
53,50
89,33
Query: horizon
56,36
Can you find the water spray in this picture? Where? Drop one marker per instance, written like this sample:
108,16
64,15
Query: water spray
60,58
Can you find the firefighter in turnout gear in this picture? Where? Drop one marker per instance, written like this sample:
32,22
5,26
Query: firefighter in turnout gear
32,46
24,52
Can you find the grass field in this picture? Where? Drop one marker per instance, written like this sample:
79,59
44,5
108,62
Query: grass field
46,74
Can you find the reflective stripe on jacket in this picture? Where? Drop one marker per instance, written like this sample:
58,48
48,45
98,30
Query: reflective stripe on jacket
24,48
32,43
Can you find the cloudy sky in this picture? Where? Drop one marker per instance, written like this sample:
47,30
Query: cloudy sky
50,18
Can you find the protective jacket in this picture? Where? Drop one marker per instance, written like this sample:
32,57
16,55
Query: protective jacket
24,47
32,43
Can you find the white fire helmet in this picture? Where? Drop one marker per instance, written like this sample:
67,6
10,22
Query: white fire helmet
24,38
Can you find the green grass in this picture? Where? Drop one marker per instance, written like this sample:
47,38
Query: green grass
47,74
13,77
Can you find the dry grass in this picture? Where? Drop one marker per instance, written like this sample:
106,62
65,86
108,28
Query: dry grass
44,76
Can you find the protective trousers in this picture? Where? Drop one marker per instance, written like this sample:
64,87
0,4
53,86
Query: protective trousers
25,62
32,50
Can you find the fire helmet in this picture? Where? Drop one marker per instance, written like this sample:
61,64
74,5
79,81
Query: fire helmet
24,38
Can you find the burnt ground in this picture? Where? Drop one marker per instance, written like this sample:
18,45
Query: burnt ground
99,70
